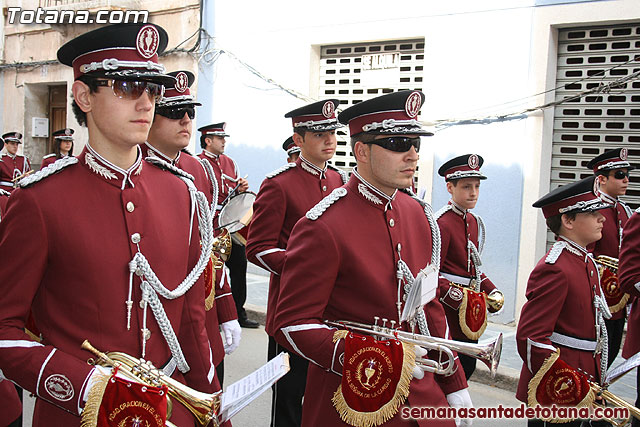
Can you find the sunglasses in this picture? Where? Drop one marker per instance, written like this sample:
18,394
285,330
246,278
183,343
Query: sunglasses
131,89
177,113
620,174
399,144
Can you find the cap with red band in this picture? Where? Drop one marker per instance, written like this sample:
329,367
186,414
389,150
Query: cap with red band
65,134
465,166
318,116
216,129
178,94
609,160
122,51
12,137
290,147
391,114
576,197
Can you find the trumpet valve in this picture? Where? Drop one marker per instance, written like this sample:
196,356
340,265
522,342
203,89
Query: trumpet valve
393,324
384,322
375,320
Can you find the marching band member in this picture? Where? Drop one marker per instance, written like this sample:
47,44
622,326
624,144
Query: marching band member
12,164
292,150
465,291
129,217
354,256
612,171
284,197
4,196
168,139
561,328
62,146
629,275
229,182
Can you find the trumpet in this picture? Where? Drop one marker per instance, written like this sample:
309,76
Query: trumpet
203,406
607,261
488,353
614,400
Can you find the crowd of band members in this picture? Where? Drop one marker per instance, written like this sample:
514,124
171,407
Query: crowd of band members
364,237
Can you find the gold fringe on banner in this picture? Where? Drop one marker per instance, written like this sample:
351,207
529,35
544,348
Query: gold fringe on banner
462,318
620,305
535,383
94,400
389,409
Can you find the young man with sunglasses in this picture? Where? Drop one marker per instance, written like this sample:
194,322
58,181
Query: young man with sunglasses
227,175
168,139
611,169
464,289
354,257
127,277
284,197
12,164
561,335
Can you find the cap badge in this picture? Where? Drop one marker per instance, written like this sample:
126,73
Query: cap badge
596,186
182,82
623,154
147,41
413,104
67,132
473,162
328,109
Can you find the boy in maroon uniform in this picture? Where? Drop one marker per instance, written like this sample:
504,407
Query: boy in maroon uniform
12,164
462,285
284,197
561,328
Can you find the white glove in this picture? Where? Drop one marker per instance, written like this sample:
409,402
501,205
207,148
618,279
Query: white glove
232,333
418,372
461,399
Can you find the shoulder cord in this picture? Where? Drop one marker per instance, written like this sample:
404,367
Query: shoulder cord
214,182
151,285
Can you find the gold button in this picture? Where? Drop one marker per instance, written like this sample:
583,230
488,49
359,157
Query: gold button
146,334
399,247
135,238
130,207
391,222
591,273
324,188
142,303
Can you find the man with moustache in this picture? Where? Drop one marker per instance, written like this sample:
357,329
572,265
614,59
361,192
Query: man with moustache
356,255
108,281
284,197
12,164
168,139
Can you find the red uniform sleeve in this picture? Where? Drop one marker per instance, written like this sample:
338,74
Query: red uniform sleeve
546,292
486,285
225,305
443,283
629,268
49,373
304,296
269,211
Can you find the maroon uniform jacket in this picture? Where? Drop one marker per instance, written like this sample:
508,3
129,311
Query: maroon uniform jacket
284,197
341,264
4,198
47,160
616,217
12,167
224,308
559,313
72,271
457,229
226,171
629,276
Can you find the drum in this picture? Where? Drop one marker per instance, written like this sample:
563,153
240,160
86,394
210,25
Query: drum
236,214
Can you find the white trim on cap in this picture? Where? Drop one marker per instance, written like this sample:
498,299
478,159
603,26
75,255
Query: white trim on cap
615,165
113,64
173,99
311,123
464,174
390,124
581,204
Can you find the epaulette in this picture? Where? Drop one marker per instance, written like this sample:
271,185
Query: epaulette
168,166
317,211
555,252
443,210
49,155
54,167
280,170
343,174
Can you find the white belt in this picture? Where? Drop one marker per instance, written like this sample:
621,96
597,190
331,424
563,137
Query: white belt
7,183
460,280
571,342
